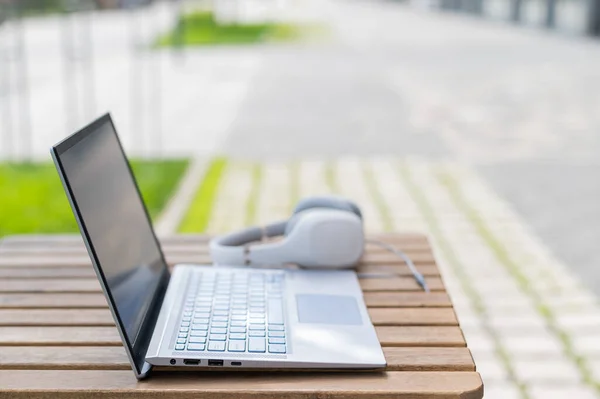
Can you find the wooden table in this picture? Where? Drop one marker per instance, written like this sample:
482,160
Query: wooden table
57,337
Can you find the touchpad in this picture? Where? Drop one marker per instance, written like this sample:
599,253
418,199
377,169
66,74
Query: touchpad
328,309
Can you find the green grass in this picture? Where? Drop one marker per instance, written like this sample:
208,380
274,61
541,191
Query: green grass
201,28
32,199
198,215
252,201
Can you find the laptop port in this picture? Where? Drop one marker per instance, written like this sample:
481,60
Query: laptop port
191,362
213,362
236,363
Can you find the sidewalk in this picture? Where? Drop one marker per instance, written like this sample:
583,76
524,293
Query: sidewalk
533,329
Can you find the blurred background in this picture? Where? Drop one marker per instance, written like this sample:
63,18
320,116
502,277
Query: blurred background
223,96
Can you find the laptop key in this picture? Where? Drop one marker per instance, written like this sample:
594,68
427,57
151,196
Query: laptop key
196,347
218,330
179,347
238,323
199,327
184,329
256,345
237,346
218,337
221,313
260,327
199,333
278,334
254,333
182,335
237,336
222,324
276,348
237,329
181,340
275,340
202,340
274,327
275,311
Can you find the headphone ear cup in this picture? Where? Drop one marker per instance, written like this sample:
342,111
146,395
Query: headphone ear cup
292,222
325,238
328,202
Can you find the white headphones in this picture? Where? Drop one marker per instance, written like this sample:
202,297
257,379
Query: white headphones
323,232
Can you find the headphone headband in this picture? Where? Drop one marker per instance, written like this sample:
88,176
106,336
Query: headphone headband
234,248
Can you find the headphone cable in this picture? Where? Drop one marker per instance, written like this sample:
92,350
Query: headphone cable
418,276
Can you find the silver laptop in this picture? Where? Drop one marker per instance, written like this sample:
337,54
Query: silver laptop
203,316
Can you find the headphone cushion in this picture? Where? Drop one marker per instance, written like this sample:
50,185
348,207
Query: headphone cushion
326,201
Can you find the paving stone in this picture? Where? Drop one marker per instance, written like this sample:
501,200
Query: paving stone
501,390
557,370
510,306
492,370
517,321
586,345
580,322
479,341
523,346
594,366
554,391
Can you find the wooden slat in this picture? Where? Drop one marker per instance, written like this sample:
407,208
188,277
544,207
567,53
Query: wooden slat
102,317
82,251
405,239
74,240
92,284
420,336
389,258
426,270
185,385
413,317
61,336
96,300
50,285
46,272
403,299
115,358
36,261
88,271
399,284
52,300
176,249
56,317
436,336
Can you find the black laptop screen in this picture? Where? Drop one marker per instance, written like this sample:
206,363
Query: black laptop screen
111,212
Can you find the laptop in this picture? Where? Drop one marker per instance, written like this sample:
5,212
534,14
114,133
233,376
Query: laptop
201,315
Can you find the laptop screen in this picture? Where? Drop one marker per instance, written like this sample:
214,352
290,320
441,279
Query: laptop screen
114,222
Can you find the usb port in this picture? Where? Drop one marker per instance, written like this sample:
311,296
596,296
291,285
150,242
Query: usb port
191,362
236,363
213,362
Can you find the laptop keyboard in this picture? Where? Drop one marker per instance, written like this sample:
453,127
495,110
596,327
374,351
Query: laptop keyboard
234,312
